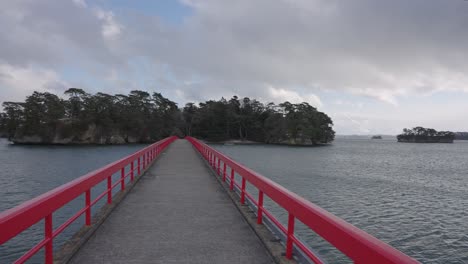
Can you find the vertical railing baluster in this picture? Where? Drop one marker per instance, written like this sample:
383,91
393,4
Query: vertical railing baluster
139,166
224,171
231,184
49,246
109,189
88,207
242,201
122,178
132,168
260,208
219,165
289,241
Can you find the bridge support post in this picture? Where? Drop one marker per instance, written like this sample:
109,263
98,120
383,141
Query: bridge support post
49,246
109,189
88,207
260,208
122,178
139,166
289,241
132,168
242,201
231,184
224,172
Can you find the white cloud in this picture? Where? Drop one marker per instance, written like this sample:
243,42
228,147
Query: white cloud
80,3
111,29
279,95
386,50
18,82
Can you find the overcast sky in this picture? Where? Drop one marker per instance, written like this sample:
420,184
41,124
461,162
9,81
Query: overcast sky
375,66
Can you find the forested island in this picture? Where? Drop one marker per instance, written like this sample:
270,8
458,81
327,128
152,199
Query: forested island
425,135
141,117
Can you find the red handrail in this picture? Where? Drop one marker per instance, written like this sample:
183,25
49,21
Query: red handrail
23,216
353,242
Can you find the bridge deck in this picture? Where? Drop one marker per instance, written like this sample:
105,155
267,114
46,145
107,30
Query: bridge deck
176,213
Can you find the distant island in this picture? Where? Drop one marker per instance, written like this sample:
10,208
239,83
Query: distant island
376,137
141,117
425,135
461,135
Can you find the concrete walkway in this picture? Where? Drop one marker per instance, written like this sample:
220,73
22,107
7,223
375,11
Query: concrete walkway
176,213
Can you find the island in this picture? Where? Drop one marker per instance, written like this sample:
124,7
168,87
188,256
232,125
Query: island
425,135
80,118
461,135
376,137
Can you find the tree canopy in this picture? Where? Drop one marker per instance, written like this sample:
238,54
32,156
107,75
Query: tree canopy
425,134
249,119
144,117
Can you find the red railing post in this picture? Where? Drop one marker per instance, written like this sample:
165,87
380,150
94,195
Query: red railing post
144,161
260,208
122,179
139,166
224,171
88,207
289,241
219,165
242,200
231,184
109,189
132,168
49,246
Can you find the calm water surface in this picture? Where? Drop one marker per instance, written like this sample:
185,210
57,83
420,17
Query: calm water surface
28,171
412,196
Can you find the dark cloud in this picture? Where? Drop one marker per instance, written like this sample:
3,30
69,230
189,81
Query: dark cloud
292,48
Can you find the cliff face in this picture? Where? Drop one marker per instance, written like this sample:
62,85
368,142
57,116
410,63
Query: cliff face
63,135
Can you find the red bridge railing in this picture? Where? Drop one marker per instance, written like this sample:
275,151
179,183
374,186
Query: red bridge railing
350,240
16,220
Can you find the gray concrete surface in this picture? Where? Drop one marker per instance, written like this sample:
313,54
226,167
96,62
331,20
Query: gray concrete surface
176,213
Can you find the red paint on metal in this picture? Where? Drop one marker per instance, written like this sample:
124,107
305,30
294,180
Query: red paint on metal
260,208
353,242
289,240
132,169
109,189
231,184
224,172
88,207
139,166
49,246
16,220
122,179
242,199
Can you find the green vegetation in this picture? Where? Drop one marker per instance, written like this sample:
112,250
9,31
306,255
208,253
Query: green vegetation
425,135
249,119
82,118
